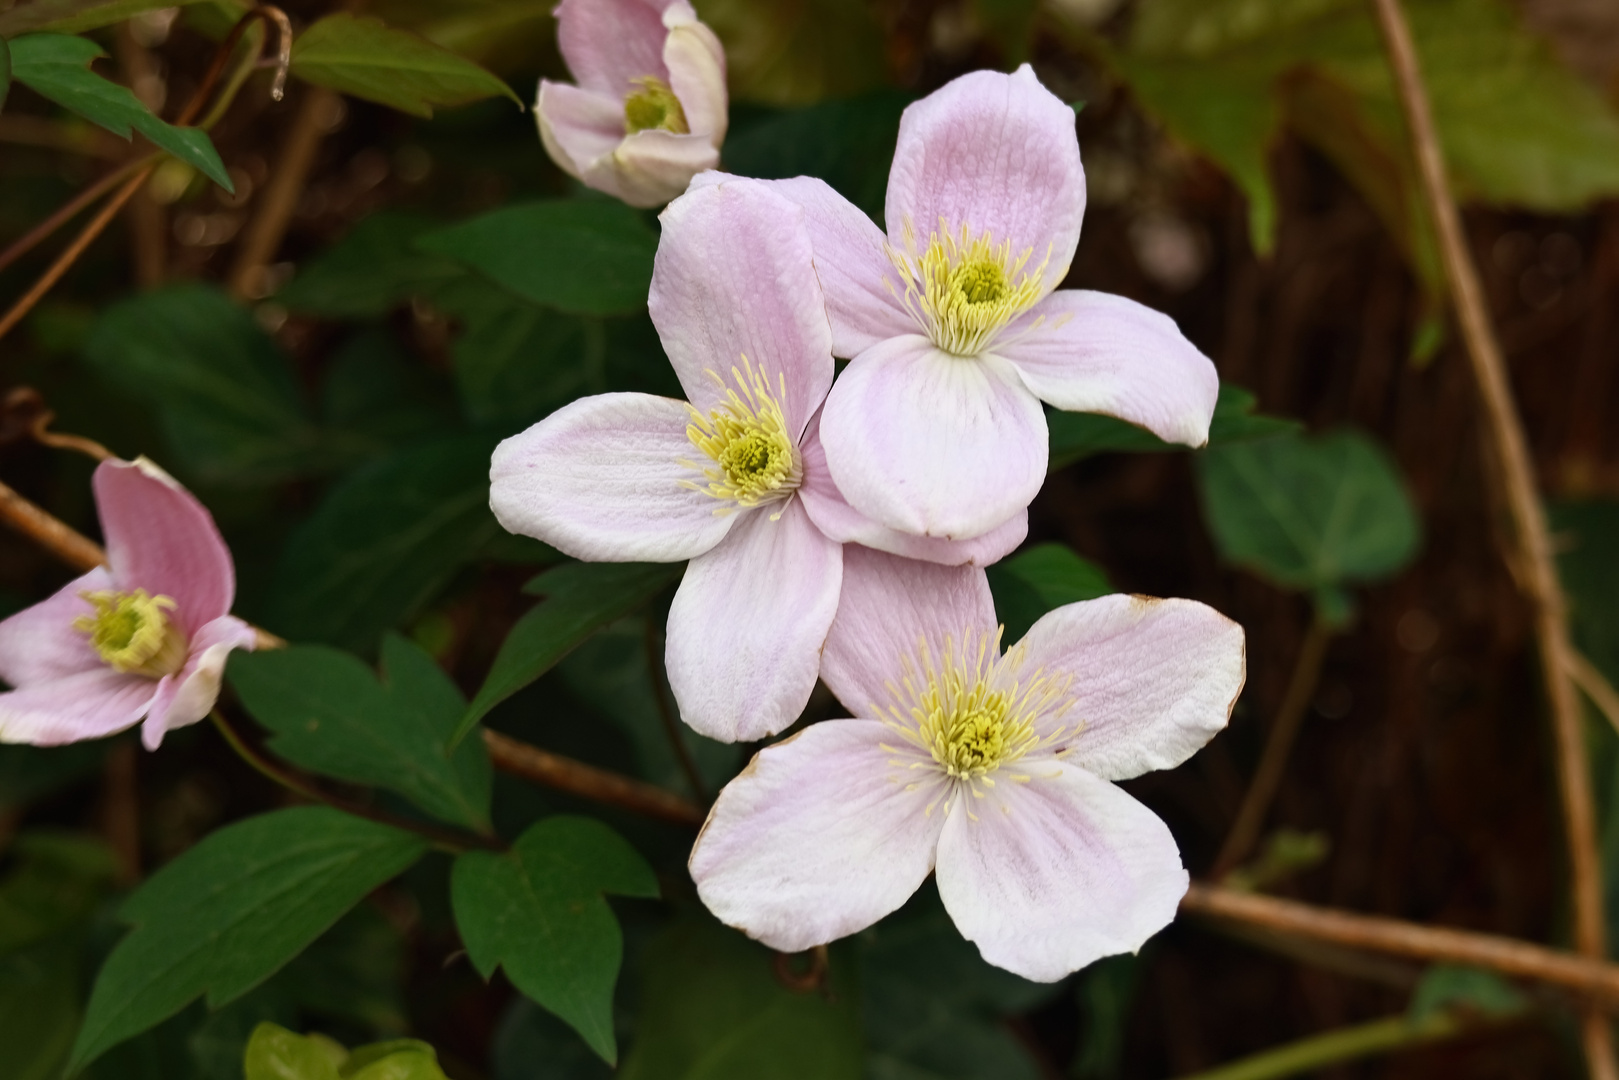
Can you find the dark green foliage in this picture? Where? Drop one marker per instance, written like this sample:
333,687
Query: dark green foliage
360,56
1074,436
538,912
1038,579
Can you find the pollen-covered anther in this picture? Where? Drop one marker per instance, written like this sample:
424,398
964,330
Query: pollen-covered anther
755,458
964,291
654,107
133,633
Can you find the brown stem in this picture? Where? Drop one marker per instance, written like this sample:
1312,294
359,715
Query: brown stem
671,724
263,236
1278,745
575,777
147,221
1592,978
51,533
23,244
1589,678
121,810
1534,549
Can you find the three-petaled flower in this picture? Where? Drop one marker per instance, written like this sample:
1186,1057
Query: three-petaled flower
733,478
954,329
993,770
649,112
147,634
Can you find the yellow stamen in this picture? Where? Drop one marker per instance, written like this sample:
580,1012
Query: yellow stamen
964,291
972,711
755,458
654,106
133,632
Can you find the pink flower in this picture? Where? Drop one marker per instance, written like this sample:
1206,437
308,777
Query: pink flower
991,770
734,480
145,635
649,112
954,328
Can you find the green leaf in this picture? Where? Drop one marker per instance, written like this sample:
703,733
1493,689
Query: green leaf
538,911
369,272
384,541
360,56
507,36
58,881
579,599
1039,579
382,399
1106,990
39,1009
225,395
274,1053
531,1044
516,363
798,53
75,16
57,66
1309,513
1074,436
231,911
331,715
1449,987
588,256
713,1009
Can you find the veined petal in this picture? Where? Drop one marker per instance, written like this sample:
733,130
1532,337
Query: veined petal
161,539
1153,680
696,62
735,277
834,516
748,622
818,838
991,152
601,478
39,643
188,695
651,167
578,127
890,604
1095,352
934,444
1057,873
87,705
610,43
854,268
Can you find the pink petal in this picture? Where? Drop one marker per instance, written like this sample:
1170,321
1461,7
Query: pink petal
818,838
696,62
161,539
189,695
1057,873
39,643
578,127
86,705
600,479
748,622
839,521
1153,680
735,277
608,44
890,604
934,444
996,152
651,167
853,263
1095,352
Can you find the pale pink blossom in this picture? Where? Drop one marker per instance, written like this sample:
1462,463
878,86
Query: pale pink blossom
732,479
649,110
145,635
954,329
994,771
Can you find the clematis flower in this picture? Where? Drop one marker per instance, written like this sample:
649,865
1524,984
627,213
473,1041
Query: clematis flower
732,479
993,770
145,635
649,112
953,324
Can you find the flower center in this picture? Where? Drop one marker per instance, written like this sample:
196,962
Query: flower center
969,708
963,291
654,106
754,457
133,633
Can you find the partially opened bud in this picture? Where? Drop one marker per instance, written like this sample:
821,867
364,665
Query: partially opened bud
649,112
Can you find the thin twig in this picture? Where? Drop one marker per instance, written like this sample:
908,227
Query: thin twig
1593,978
65,213
575,777
1278,745
1589,678
1343,1045
263,235
1533,538
50,532
671,724
25,408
